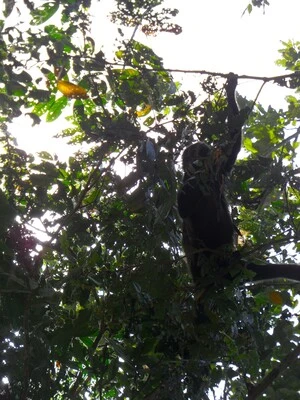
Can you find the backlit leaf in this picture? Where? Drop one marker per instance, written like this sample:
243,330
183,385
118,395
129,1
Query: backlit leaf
71,90
43,13
275,297
144,111
56,109
249,146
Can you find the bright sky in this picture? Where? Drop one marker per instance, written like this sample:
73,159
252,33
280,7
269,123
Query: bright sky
216,37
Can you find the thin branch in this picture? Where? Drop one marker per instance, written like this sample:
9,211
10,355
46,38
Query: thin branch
258,93
264,246
265,79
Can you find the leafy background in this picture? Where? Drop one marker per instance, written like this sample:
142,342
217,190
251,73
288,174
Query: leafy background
97,303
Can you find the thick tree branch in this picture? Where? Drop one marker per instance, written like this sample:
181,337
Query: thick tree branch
275,271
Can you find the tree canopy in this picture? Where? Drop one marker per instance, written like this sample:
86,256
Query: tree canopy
95,297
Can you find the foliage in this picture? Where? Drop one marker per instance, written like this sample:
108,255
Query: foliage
258,4
95,298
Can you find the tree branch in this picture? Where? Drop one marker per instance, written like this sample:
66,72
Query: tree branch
277,79
275,271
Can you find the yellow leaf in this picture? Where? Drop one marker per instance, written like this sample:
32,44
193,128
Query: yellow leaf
144,111
71,90
275,297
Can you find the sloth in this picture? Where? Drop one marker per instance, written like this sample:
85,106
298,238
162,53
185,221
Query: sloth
206,221
208,229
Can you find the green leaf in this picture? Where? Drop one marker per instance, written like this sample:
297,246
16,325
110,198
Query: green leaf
55,33
41,108
45,155
249,146
120,54
43,13
56,109
111,394
149,121
87,341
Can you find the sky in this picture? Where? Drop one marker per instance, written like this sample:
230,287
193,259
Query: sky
216,37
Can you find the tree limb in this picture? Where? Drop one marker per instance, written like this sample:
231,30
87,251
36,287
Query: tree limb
275,271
